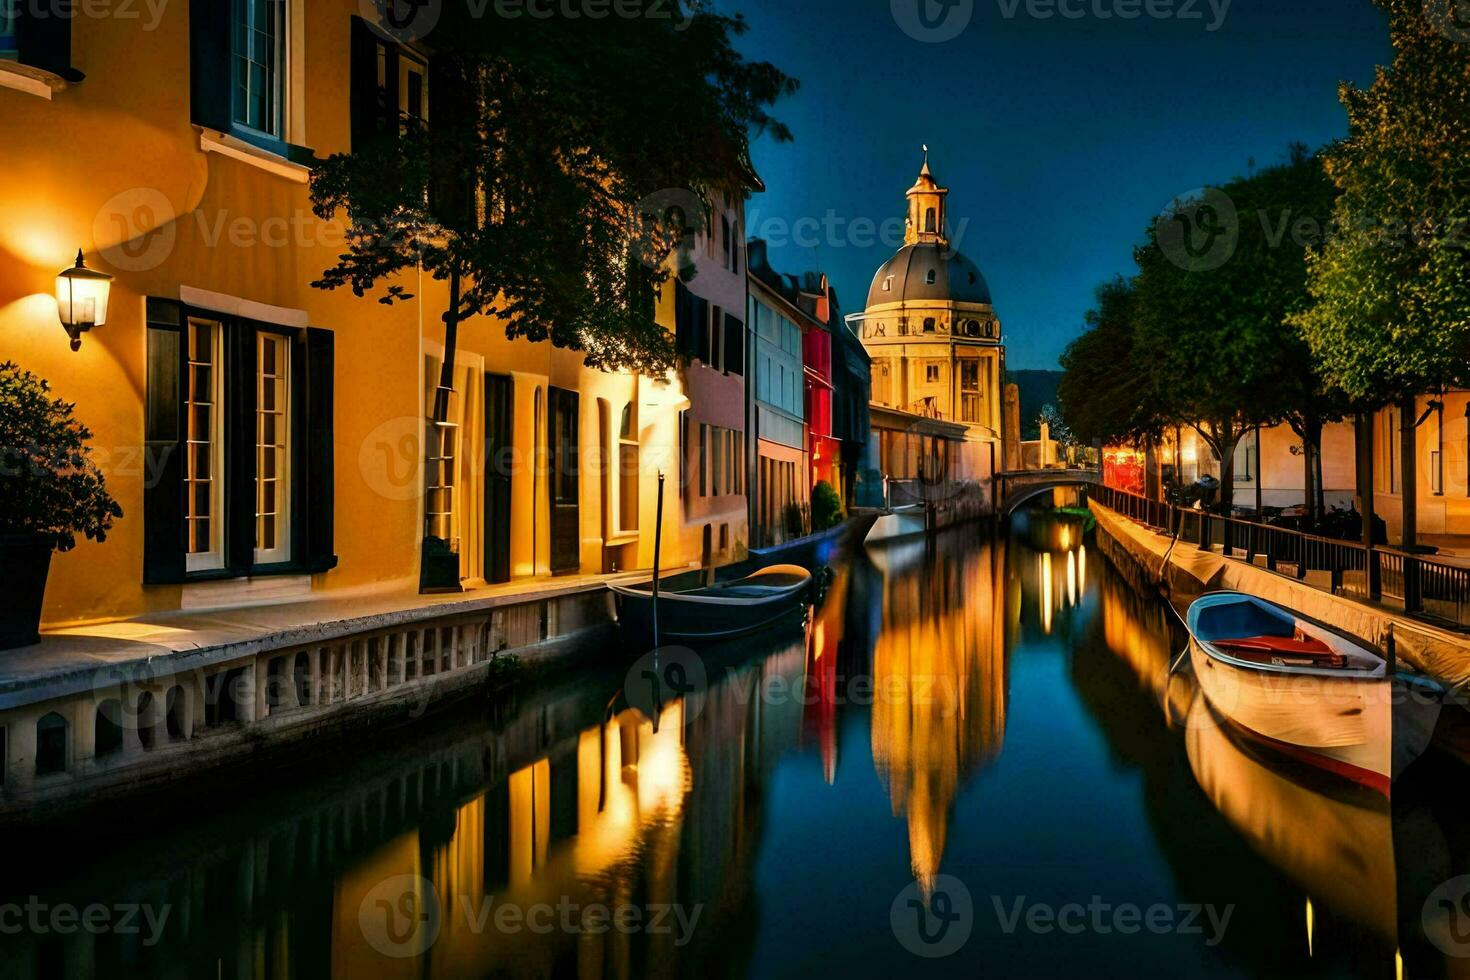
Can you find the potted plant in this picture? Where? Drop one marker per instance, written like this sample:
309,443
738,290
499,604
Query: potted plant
51,490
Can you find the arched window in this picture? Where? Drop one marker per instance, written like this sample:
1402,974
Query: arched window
930,219
109,732
930,276
51,749
176,707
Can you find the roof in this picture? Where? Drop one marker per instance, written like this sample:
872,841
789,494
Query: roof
955,278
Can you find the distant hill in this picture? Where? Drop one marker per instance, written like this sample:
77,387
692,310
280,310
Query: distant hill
1038,389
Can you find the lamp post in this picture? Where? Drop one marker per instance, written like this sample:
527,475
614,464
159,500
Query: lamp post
81,299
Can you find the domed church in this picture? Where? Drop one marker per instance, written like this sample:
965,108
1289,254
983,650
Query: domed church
930,326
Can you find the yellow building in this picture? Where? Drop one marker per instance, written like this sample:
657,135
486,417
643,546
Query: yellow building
265,439
935,341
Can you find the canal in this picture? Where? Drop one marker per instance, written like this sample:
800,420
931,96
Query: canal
975,750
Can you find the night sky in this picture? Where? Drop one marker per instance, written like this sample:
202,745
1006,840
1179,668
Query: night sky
1058,138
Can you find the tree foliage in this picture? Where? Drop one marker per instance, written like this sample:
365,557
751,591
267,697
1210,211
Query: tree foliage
49,482
1391,286
1101,391
545,186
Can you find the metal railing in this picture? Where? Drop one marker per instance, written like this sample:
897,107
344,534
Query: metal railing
1434,591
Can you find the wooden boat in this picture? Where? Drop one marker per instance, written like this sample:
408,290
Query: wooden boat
1306,689
769,598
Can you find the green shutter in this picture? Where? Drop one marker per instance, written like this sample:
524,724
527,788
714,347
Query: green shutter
164,533
210,63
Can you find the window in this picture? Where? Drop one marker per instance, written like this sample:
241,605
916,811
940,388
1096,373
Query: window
929,277
970,403
930,220
205,469
272,461
627,471
887,284
931,373
929,324
239,416
725,241
258,50
51,745
413,91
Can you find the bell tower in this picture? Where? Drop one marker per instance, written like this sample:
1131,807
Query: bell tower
926,209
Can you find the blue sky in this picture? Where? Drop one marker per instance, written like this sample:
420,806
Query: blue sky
1058,136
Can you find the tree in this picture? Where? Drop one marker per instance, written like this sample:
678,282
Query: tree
523,191
1219,280
1101,395
1391,287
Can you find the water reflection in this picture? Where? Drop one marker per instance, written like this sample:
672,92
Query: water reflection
997,710
938,673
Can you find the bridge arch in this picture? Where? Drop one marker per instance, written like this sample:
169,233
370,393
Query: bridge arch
1016,488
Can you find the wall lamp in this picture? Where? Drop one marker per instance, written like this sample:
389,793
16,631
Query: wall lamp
81,299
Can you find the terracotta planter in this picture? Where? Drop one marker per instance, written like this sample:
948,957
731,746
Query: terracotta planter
25,560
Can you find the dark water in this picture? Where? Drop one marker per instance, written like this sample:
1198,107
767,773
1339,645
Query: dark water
974,750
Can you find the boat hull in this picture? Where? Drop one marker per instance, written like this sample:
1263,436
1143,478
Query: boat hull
1343,725
774,598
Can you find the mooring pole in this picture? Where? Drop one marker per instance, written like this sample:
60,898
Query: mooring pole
658,544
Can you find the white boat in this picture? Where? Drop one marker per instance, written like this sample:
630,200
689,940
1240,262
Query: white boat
1308,690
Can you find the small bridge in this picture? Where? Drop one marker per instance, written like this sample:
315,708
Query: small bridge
1014,487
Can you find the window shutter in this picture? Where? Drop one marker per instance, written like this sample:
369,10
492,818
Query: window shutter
210,63
364,106
734,345
455,176
43,37
702,331
164,535
314,434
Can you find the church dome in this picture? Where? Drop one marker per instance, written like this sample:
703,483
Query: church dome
928,271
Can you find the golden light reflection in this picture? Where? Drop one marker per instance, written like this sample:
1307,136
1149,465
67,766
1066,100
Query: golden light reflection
1046,592
1309,926
939,692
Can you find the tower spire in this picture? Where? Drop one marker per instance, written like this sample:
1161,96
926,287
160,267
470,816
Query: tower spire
926,208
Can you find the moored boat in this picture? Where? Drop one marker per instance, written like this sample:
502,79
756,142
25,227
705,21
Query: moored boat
1307,690
768,599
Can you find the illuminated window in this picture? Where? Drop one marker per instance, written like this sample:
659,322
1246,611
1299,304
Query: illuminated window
204,474
258,44
272,464
931,373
